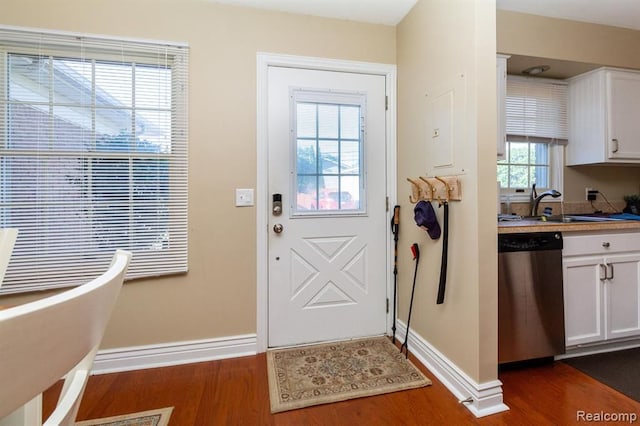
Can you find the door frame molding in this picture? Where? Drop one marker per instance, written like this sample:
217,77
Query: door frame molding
263,62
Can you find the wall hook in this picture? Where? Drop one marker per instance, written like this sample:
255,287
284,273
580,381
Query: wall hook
432,190
416,191
447,188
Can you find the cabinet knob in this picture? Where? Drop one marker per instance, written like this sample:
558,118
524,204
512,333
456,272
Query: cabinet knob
615,146
606,244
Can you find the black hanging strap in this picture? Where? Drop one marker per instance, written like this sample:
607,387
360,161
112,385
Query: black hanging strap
445,246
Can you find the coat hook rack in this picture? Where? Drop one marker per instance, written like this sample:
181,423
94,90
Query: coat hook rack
441,188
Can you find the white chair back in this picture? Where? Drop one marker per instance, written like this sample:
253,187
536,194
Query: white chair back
7,240
42,341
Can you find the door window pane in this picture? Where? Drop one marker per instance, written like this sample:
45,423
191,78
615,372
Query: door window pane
350,157
307,193
306,120
350,122
329,146
329,160
328,121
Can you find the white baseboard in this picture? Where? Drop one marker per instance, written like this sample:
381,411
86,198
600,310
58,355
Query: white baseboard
482,399
598,348
174,353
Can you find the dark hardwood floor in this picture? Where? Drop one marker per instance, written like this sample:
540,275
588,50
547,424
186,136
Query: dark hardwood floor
235,392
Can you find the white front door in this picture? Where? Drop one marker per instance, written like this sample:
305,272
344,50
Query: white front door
327,244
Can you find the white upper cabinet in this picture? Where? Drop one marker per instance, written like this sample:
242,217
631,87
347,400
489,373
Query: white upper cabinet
501,85
604,117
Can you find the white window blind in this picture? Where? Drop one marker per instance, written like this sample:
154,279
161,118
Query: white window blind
536,109
93,156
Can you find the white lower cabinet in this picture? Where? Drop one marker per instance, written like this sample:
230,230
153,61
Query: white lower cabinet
601,288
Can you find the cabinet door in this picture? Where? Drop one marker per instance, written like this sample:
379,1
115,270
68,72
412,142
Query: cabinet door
622,288
623,115
583,300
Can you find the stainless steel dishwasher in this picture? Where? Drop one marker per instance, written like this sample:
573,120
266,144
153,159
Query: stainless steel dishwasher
530,296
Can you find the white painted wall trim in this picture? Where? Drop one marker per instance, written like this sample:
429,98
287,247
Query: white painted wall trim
263,62
598,348
174,353
485,398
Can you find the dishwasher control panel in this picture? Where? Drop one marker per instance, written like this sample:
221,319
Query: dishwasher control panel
533,241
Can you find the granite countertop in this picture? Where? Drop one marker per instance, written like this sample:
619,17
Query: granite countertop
528,225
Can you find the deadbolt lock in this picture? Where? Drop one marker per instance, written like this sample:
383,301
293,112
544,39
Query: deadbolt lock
276,206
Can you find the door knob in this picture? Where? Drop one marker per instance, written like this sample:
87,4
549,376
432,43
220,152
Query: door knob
278,228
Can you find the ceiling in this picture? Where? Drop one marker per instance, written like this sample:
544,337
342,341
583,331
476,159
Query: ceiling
619,13
388,12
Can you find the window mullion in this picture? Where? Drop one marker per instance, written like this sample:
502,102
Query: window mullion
339,157
318,156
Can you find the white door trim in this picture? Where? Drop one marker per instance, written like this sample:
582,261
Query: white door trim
263,61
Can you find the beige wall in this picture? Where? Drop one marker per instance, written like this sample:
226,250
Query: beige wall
218,296
440,42
532,35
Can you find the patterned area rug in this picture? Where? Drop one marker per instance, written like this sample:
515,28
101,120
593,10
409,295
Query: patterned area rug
144,418
330,372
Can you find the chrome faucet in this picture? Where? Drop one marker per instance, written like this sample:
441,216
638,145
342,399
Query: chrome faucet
534,199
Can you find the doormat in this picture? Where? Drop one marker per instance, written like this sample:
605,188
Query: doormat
619,370
329,372
144,418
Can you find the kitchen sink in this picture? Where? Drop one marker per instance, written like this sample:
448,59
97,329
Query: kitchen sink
586,217
569,218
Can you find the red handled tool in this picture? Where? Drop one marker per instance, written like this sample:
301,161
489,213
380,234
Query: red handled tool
416,256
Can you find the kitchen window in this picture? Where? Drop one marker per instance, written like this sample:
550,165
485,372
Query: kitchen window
93,156
536,128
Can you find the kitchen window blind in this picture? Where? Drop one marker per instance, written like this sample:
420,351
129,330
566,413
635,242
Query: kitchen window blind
93,156
536,110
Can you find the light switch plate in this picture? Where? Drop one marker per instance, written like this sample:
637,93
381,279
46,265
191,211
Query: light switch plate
244,197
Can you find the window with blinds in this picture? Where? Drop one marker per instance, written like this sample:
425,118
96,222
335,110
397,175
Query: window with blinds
93,156
536,128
